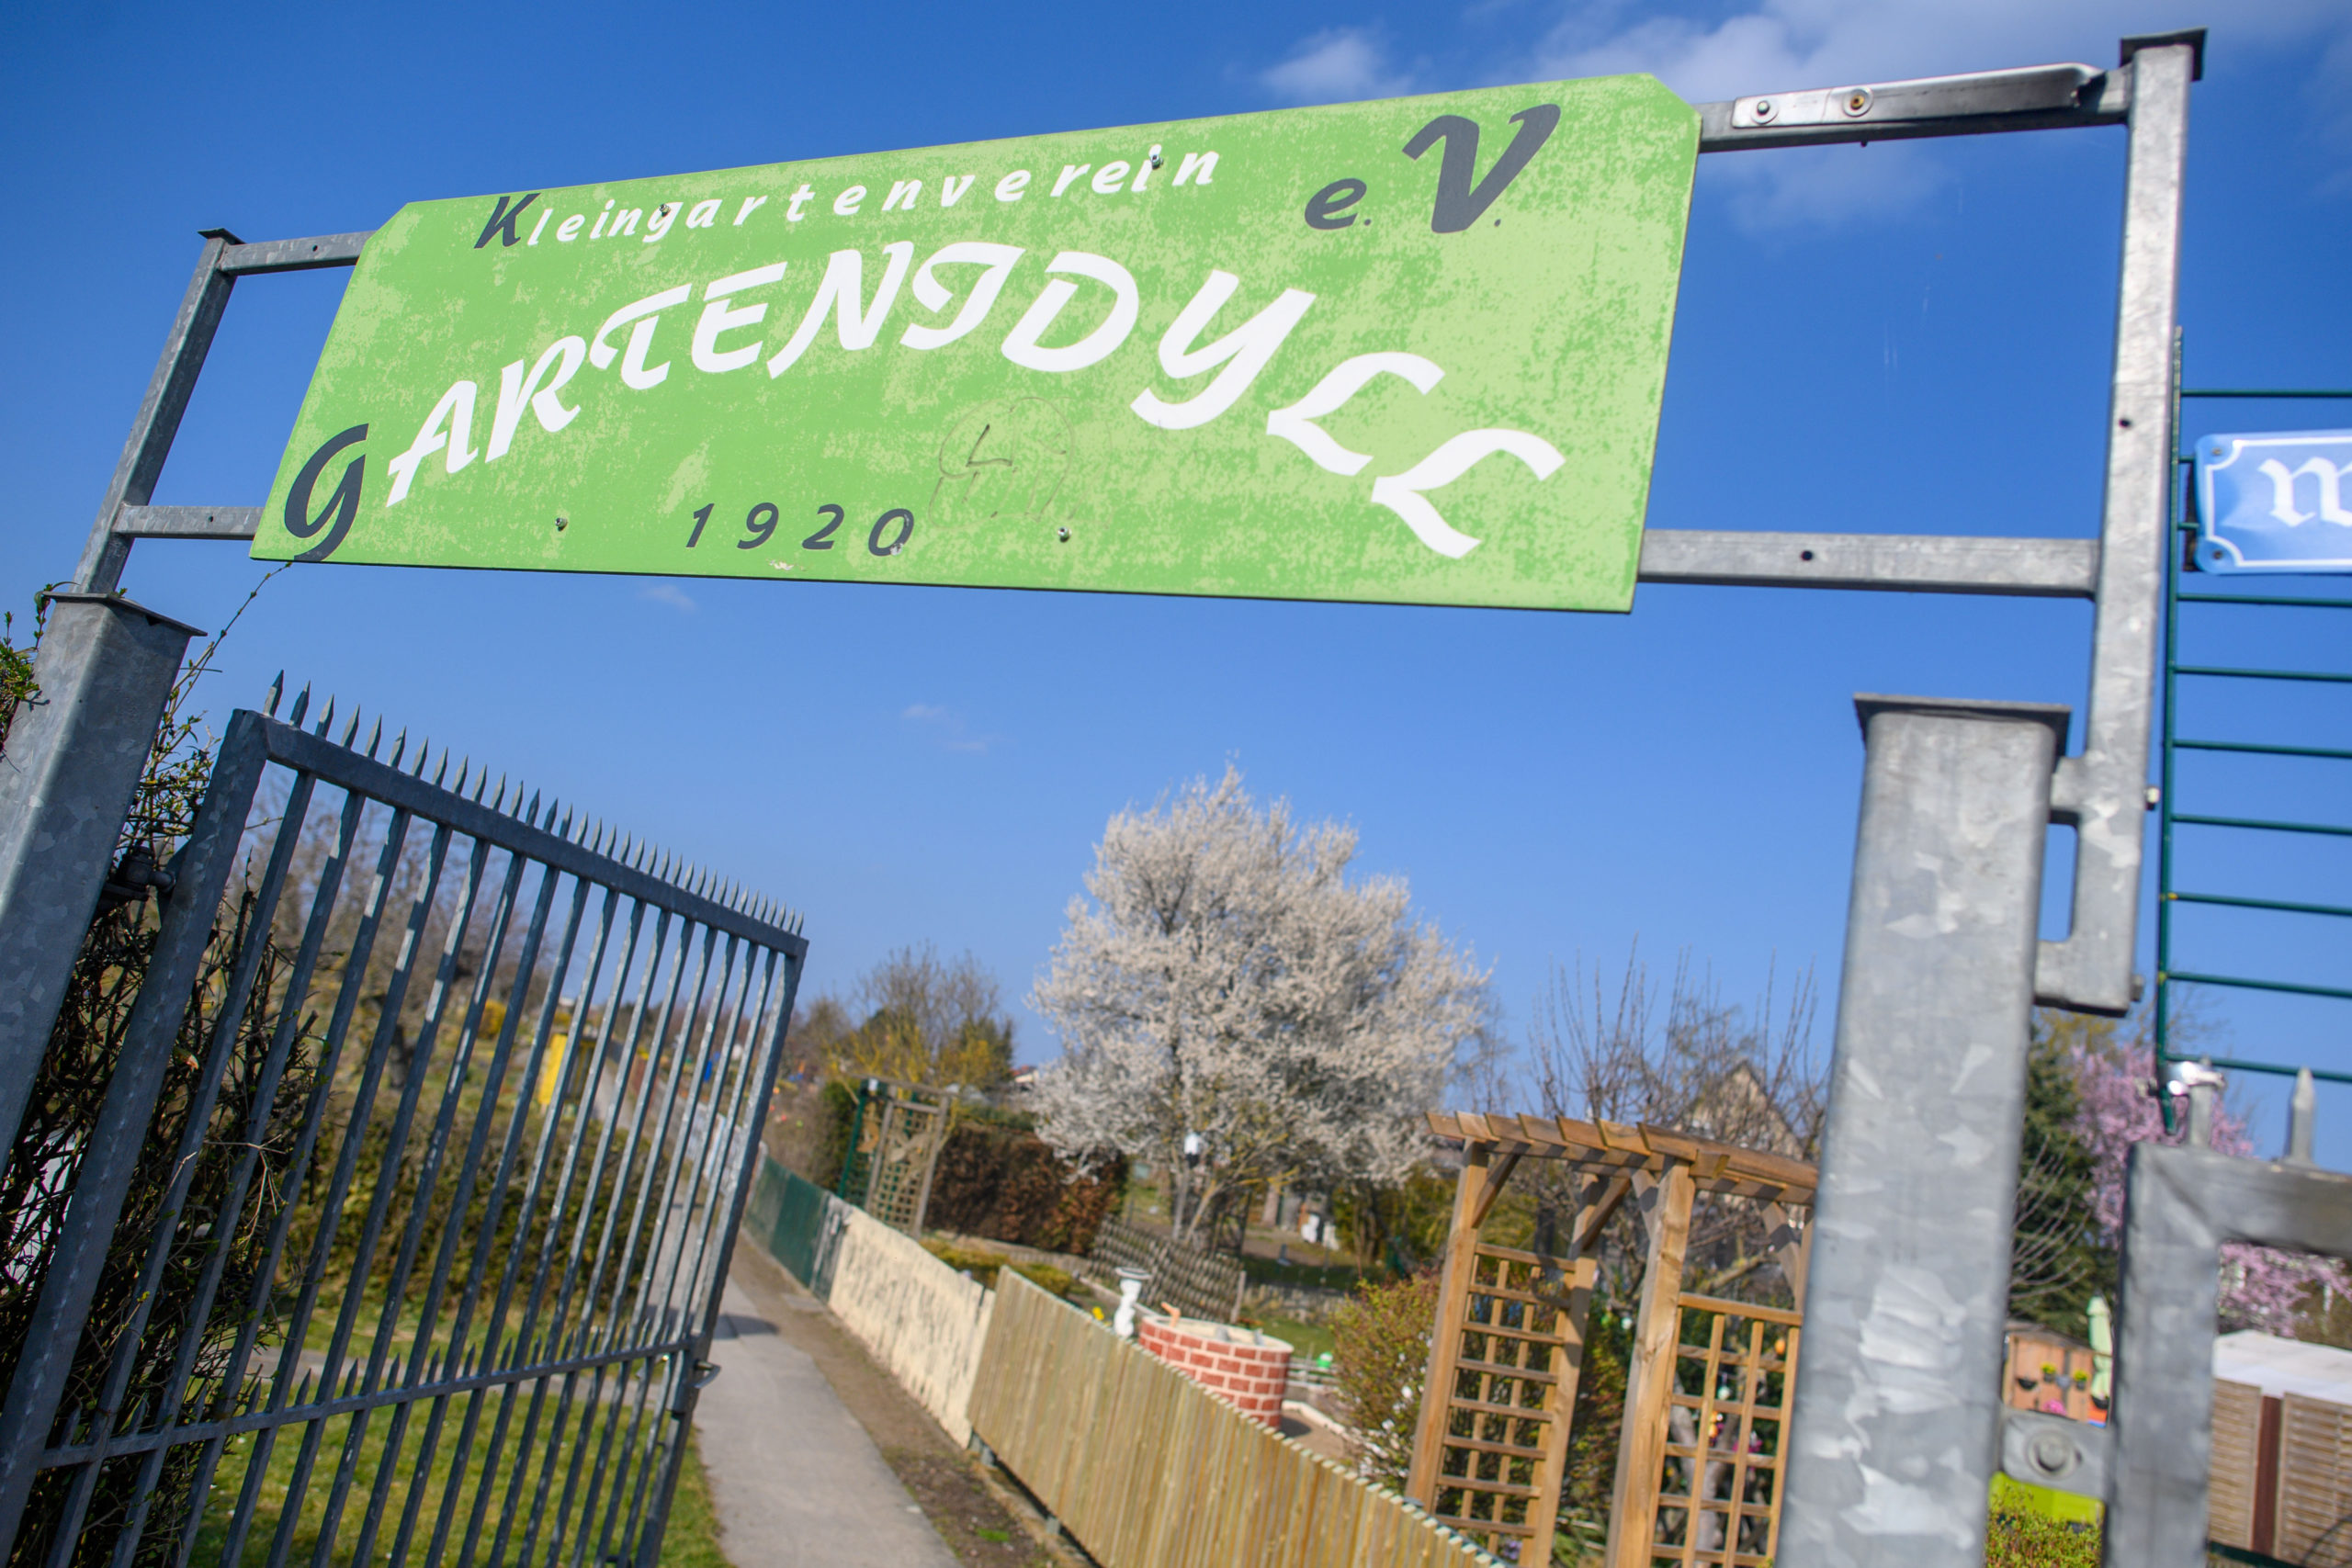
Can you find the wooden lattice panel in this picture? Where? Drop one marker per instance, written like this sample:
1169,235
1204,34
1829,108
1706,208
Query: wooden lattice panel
904,1143
1193,1280
1518,1348
1719,1493
1118,1245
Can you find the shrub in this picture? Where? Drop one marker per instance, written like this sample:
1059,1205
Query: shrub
1600,1413
2019,1538
986,1266
980,1264
1047,1277
808,1129
1383,1352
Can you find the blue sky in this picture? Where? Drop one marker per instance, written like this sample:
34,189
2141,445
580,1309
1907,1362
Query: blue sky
1895,338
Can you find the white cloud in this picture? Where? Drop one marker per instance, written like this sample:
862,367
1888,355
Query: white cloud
1338,66
670,593
948,728
1781,44
1726,51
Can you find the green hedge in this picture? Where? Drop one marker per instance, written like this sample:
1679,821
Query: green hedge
1000,1180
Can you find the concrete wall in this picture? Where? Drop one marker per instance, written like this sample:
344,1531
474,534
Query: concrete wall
923,1321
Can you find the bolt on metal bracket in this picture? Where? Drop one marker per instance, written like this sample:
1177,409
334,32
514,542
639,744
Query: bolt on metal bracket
2054,1451
2031,97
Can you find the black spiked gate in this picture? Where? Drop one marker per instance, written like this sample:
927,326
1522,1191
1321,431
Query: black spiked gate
476,1100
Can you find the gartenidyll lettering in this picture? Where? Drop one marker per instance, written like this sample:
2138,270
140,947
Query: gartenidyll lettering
1101,297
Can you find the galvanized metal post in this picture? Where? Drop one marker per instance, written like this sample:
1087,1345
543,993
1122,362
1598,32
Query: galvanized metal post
72,761
73,758
1898,1404
2103,793
158,420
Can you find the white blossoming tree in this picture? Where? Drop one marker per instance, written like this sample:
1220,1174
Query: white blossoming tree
1223,977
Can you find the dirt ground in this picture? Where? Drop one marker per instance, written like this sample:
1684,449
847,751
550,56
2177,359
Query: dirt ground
984,1521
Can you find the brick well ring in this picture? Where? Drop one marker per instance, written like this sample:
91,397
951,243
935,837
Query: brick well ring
1241,1366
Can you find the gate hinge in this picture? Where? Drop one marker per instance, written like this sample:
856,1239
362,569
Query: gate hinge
699,1376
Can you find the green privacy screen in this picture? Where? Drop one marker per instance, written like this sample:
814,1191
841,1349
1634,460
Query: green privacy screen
1401,352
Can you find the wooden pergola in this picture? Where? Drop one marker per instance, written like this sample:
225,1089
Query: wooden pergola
1700,1454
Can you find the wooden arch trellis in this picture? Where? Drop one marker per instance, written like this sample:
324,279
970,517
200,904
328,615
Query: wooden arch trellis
1700,1455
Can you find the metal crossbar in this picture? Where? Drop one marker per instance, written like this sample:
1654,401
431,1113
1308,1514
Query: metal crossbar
425,1153
2334,675
2259,824
2329,752
2235,1063
2274,601
2279,904
2243,983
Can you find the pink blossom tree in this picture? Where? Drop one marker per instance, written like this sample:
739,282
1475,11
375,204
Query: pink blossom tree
2115,1074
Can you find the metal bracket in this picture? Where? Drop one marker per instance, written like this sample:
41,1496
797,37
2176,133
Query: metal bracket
124,514
187,521
2054,1451
2031,98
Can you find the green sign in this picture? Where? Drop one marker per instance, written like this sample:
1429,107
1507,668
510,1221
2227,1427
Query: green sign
1403,352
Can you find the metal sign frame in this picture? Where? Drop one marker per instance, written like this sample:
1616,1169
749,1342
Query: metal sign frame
1897,1418
2169,894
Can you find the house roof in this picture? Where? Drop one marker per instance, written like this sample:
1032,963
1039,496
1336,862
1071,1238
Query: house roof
2284,1366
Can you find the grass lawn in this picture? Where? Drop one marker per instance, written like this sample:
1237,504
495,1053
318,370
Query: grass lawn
1307,1339
690,1542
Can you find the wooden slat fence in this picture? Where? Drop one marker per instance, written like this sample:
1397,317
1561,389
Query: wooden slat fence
1147,1469
2314,1481
2236,1464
